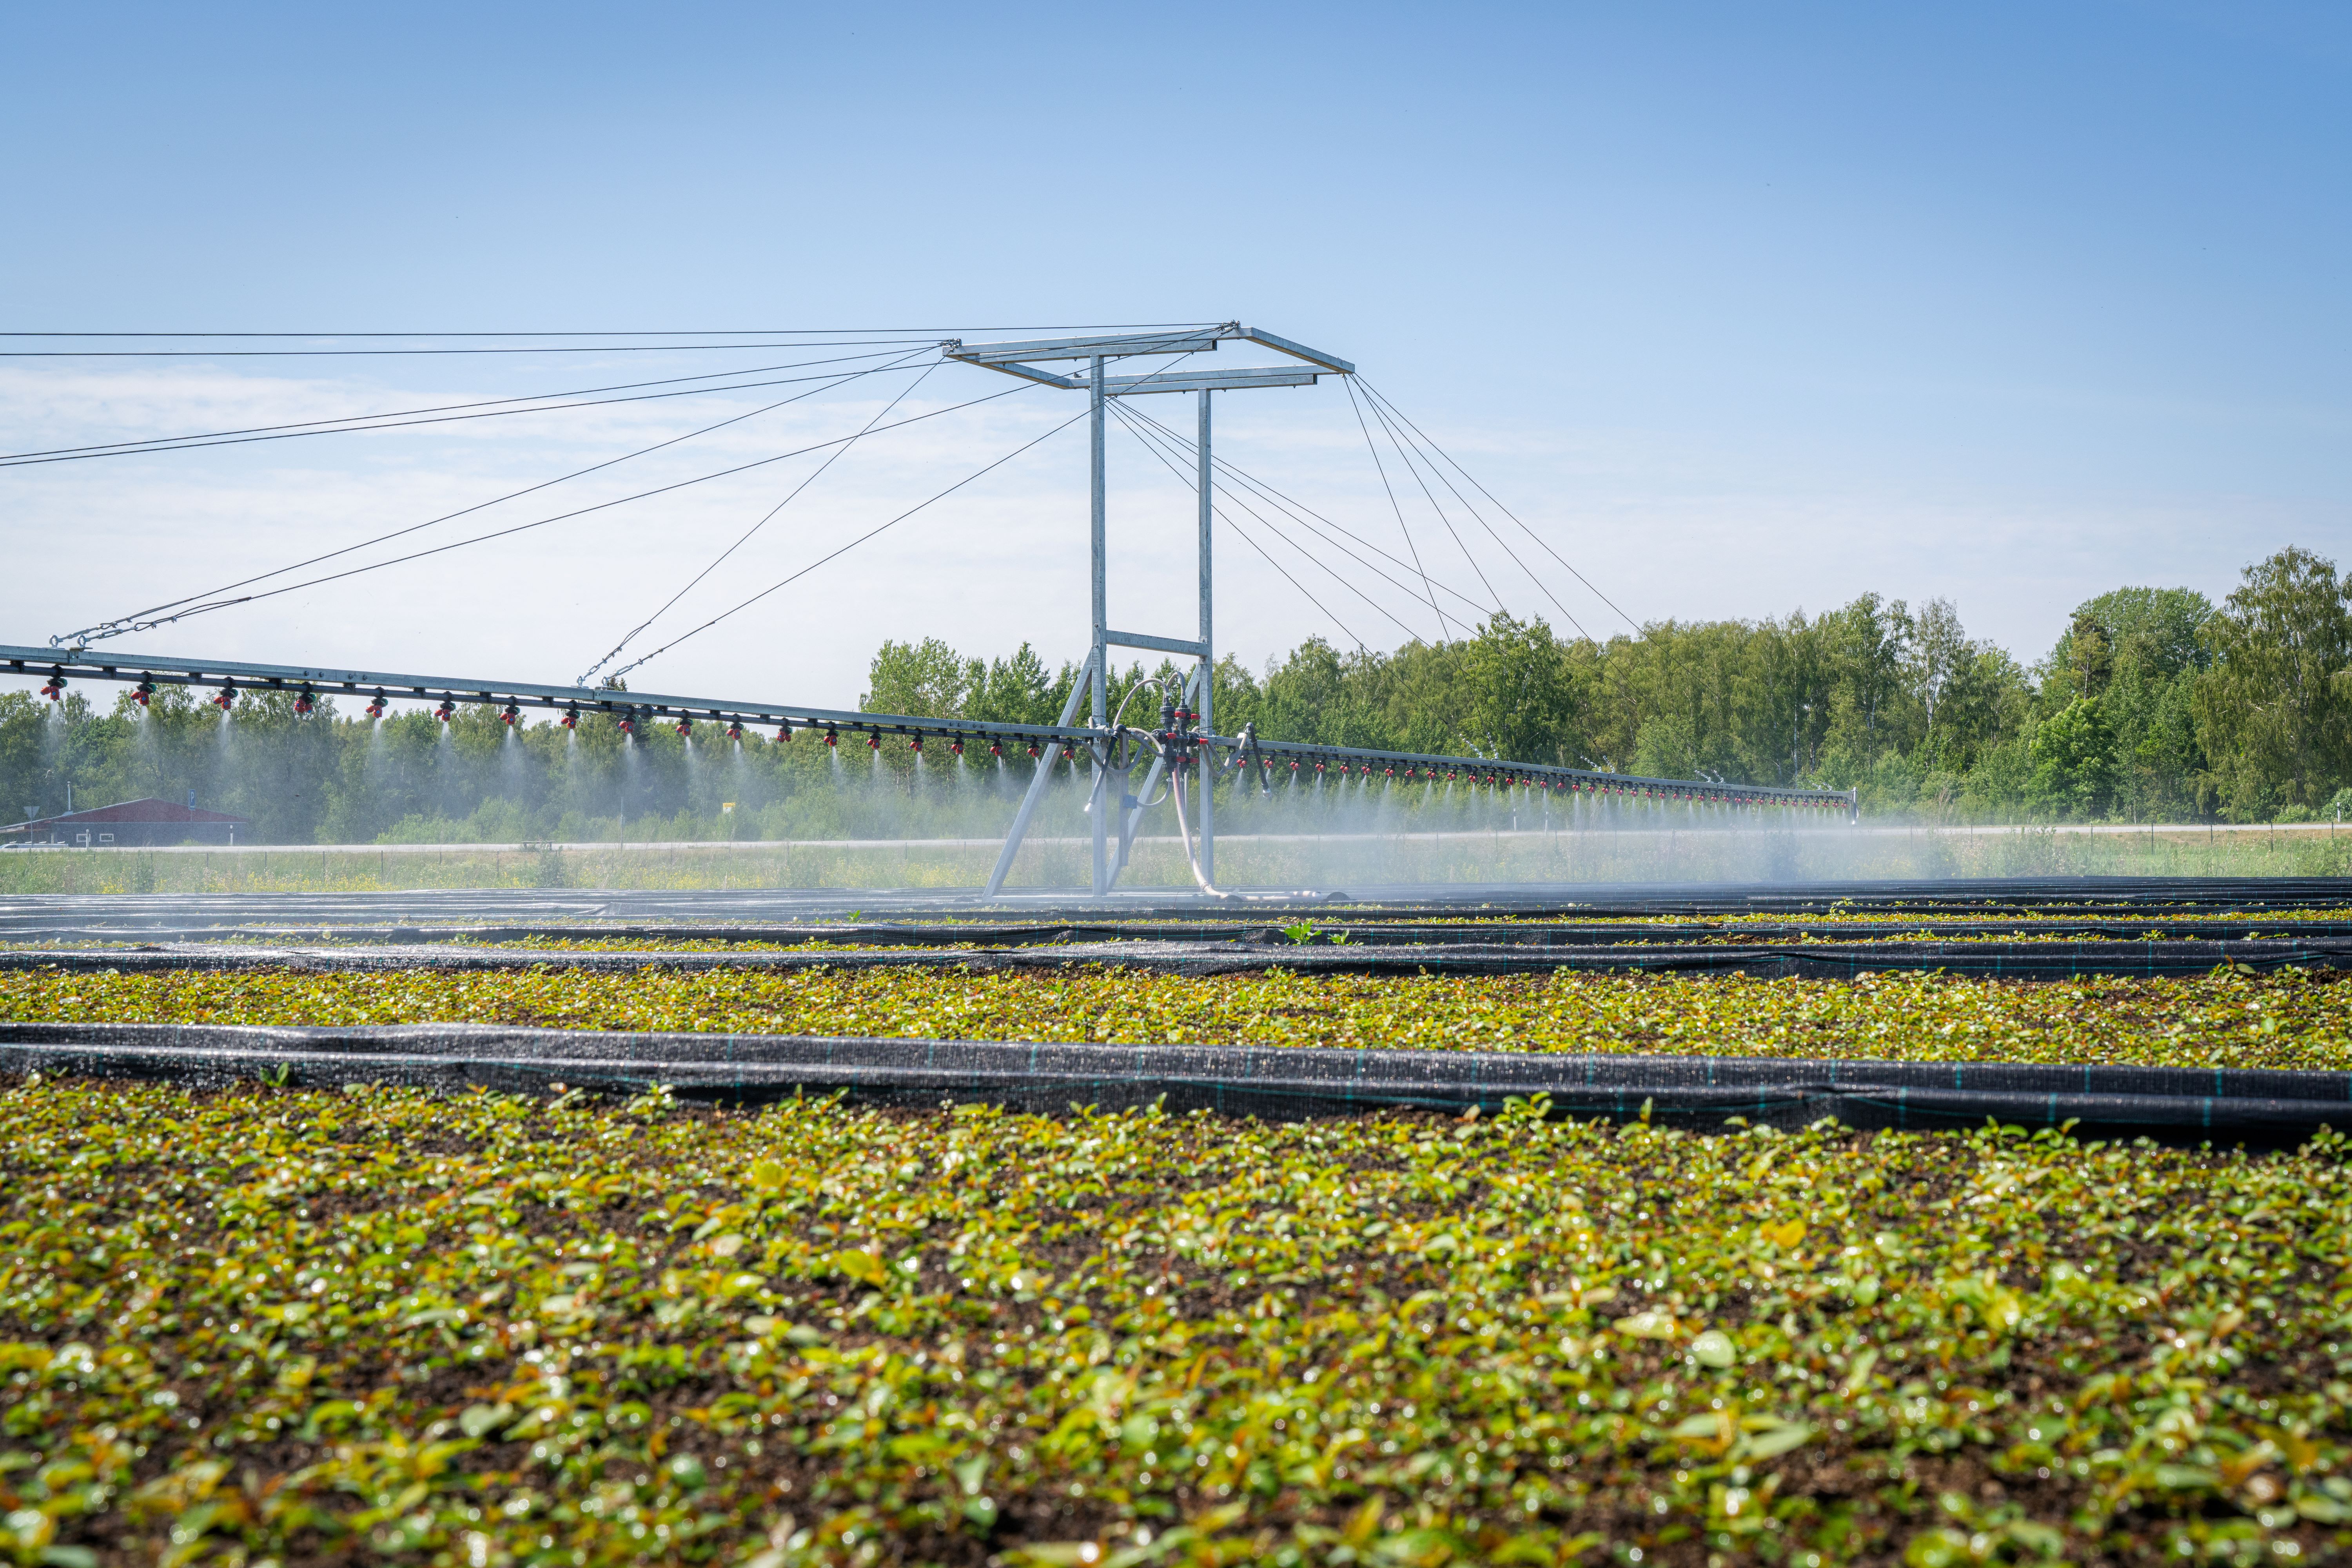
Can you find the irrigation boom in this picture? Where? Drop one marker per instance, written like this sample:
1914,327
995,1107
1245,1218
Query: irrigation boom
1101,745
1184,748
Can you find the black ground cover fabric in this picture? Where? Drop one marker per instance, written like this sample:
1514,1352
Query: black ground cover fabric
1838,961
2258,1108
49,916
1339,933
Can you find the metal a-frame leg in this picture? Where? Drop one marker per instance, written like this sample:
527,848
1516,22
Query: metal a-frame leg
1131,819
1036,791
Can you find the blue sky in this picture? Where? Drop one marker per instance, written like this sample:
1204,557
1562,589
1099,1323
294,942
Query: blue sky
1744,308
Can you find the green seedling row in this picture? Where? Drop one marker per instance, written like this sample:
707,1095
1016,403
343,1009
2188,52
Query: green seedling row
263,1326
2227,1018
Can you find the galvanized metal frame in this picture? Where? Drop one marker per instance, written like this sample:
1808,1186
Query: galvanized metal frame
1017,359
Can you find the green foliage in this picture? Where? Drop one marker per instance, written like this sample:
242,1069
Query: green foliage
295,1326
2075,759
929,679
2152,705
2275,709
2224,1020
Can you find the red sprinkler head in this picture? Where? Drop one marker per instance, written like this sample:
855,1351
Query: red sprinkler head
447,711
628,724
571,720
143,692
55,685
1032,748
832,736
685,727
304,701
376,704
915,741
735,731
513,716
873,739
956,745
225,697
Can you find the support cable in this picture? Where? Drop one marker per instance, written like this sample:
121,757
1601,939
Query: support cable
1409,545
682,332
830,459
1386,414
1270,561
1296,512
869,533
1480,572
146,620
1131,418
149,625
534,348
844,549
1138,432
1304,516
1502,543
443,414
1371,391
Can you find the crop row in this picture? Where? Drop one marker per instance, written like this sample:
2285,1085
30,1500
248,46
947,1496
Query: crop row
2227,1018
310,1326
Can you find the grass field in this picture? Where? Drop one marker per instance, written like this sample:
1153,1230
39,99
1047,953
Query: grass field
1823,852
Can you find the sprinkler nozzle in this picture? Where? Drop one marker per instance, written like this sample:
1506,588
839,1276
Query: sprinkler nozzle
513,716
143,692
375,706
447,711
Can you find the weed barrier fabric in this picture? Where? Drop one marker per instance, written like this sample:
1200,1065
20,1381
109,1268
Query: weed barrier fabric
47,916
2225,1105
1525,933
1817,961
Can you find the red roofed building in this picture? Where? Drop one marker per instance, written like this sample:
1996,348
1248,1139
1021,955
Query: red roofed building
133,823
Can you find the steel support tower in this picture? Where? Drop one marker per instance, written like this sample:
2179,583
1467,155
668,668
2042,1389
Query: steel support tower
1026,360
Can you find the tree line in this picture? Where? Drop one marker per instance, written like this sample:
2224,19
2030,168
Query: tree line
2152,704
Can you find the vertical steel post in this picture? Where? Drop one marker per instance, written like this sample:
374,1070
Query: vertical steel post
1098,810
1206,767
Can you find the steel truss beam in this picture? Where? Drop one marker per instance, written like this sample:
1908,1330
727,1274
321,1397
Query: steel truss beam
1065,735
